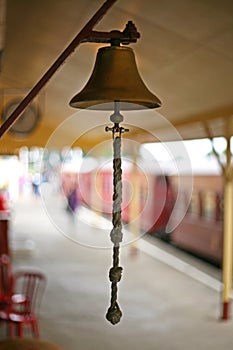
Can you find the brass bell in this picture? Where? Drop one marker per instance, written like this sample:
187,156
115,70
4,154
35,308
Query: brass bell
115,78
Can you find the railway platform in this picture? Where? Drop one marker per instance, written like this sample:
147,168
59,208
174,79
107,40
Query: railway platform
167,303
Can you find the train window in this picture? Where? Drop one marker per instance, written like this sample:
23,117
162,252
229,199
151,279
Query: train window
194,207
208,205
219,206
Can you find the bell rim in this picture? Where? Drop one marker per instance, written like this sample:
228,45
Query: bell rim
108,104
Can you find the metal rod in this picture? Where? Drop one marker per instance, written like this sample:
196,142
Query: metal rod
86,31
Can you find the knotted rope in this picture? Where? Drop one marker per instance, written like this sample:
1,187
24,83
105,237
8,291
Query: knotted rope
114,313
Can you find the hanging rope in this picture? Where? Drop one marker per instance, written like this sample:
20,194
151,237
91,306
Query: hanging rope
114,313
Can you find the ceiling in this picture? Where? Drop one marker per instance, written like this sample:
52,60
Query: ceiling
184,55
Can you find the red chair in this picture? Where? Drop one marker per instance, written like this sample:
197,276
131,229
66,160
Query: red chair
7,295
6,280
19,314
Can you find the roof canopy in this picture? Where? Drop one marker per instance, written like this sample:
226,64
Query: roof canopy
184,56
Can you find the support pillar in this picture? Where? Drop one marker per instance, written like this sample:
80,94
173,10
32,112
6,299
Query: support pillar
227,228
227,247
227,254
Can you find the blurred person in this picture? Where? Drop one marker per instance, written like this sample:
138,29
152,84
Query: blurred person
72,201
36,184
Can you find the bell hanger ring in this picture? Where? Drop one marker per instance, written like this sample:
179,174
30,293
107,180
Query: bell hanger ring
127,36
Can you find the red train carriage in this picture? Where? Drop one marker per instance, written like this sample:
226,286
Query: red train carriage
200,231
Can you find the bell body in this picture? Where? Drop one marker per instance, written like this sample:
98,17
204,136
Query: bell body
115,78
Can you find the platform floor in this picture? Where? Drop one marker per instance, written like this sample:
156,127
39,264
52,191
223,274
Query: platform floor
163,307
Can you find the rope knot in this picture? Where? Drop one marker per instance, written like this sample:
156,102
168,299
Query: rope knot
115,274
116,235
114,314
